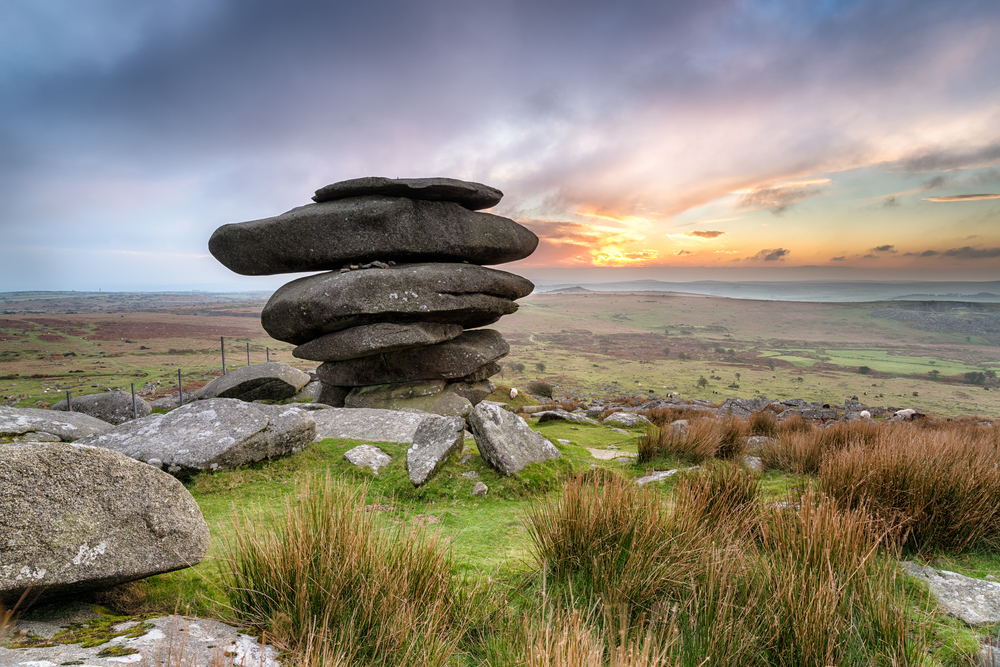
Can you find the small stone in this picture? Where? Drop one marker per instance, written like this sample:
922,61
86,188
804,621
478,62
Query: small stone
472,474
368,455
479,489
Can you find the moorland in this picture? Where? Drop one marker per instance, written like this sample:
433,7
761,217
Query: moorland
570,562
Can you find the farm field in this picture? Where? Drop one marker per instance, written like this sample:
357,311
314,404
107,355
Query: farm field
590,345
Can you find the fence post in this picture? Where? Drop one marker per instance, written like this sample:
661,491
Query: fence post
180,391
267,350
135,414
222,344
248,354
69,404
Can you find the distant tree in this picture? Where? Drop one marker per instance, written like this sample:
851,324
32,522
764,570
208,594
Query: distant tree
682,355
540,367
666,351
974,377
719,349
934,374
702,382
540,389
770,364
990,374
737,377
519,367
731,351
864,370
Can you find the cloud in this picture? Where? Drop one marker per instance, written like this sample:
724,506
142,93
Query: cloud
705,234
953,158
964,197
890,202
869,256
884,248
838,259
778,197
972,253
683,253
925,253
769,255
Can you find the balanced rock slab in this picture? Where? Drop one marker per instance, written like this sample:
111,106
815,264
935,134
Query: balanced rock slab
505,441
114,407
67,426
469,194
94,519
210,435
273,381
329,235
432,396
464,294
434,441
453,359
368,424
374,339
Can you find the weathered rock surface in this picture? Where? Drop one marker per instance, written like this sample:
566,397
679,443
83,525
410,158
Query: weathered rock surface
331,395
77,518
272,381
328,235
434,441
210,435
473,391
431,396
744,407
368,455
186,640
660,475
469,194
626,419
368,424
562,415
505,441
114,407
464,294
375,338
479,489
809,414
445,361
67,426
975,601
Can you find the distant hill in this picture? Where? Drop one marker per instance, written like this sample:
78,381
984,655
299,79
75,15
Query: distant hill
569,290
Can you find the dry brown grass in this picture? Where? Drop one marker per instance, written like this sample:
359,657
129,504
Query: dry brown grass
701,440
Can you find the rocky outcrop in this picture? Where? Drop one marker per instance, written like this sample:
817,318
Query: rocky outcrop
403,280
210,435
114,407
974,601
744,407
368,424
23,423
94,519
505,441
626,419
272,381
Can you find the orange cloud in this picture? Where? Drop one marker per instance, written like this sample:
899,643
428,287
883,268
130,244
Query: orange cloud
964,197
611,256
705,234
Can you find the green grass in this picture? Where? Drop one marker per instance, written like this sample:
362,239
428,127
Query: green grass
883,361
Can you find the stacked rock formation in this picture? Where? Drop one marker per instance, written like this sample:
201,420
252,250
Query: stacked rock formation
394,316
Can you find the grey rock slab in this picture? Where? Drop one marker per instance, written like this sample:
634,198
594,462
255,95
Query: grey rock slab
214,434
563,415
69,426
452,359
428,396
273,381
76,518
368,455
172,640
368,424
505,441
479,489
974,601
755,443
809,414
474,392
744,407
464,294
610,454
660,475
329,235
434,441
471,195
375,338
626,419
114,407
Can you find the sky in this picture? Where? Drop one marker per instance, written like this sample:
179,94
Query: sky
757,139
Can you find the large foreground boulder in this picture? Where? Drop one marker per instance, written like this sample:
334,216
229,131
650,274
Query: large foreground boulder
272,381
210,435
328,235
505,441
454,359
465,294
114,407
434,441
22,423
76,518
